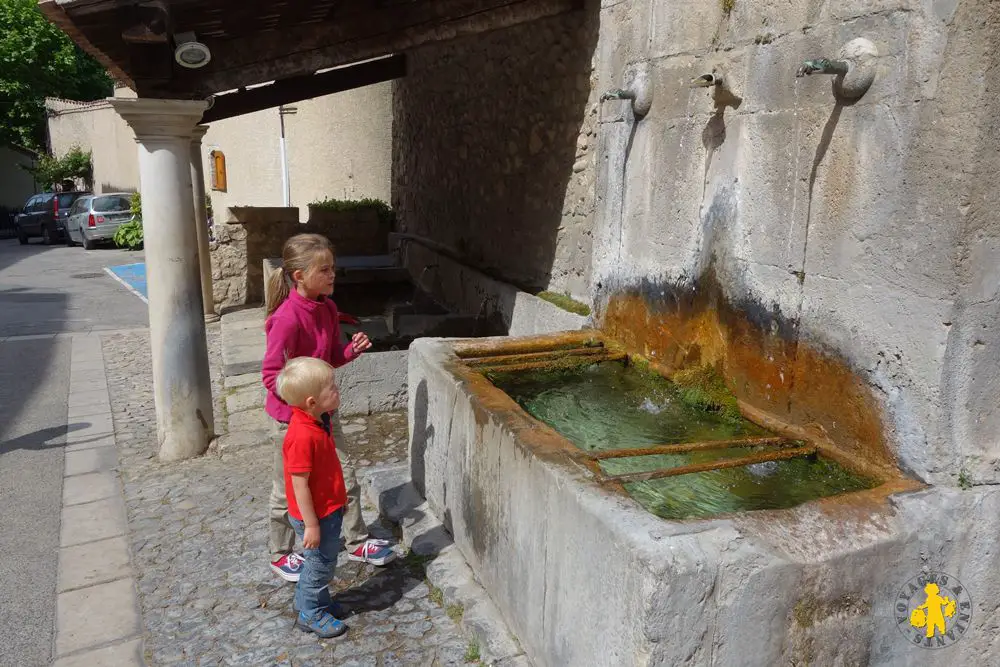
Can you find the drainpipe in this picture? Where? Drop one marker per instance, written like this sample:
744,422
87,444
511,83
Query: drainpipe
286,187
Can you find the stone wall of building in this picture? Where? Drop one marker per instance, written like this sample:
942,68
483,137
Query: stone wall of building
836,260
96,127
493,150
250,235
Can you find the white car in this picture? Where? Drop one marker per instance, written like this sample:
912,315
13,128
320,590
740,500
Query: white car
96,218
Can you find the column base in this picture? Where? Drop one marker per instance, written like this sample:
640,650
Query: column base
212,317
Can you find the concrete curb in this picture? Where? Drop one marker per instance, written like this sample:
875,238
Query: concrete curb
98,621
390,490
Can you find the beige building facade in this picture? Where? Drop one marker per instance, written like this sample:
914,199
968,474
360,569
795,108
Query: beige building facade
337,146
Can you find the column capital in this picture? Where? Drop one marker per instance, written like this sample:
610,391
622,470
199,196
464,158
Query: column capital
160,119
198,134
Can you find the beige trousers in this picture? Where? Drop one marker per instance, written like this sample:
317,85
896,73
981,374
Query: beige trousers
282,536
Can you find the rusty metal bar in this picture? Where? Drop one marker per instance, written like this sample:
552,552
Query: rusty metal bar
780,455
685,447
488,347
554,364
502,359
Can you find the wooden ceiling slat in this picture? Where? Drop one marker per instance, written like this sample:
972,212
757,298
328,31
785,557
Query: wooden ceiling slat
254,41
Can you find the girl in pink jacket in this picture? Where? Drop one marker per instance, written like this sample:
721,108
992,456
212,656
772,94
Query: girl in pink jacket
303,321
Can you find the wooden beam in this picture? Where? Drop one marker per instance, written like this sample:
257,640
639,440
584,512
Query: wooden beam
361,35
301,88
55,14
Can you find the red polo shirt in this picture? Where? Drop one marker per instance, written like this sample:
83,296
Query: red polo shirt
309,448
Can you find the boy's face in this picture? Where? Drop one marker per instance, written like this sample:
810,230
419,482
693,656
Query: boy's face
328,399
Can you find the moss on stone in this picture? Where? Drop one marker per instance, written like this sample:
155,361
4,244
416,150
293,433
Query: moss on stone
705,388
565,302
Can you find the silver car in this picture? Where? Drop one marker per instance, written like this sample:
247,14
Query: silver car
96,218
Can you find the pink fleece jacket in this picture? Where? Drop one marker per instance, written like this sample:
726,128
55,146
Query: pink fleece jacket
300,327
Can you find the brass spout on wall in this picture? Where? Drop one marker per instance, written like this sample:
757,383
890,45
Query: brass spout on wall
638,89
706,81
618,94
854,68
823,66
722,93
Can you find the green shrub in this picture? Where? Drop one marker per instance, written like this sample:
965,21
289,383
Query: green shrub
129,235
135,206
52,172
383,210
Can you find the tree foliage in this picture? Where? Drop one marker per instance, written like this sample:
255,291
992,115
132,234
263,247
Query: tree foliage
37,60
50,172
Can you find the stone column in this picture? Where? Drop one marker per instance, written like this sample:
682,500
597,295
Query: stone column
182,387
201,221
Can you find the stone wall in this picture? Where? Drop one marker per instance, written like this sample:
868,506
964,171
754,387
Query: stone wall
251,235
837,260
492,153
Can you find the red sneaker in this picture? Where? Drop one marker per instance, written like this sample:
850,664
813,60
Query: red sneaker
288,567
374,551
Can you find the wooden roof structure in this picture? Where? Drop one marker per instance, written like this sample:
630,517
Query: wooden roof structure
284,41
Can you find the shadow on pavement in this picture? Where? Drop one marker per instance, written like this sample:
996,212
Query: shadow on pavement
43,438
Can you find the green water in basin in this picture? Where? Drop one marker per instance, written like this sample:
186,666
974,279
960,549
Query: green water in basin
610,406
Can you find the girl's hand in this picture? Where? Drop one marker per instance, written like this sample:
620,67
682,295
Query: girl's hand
310,540
360,342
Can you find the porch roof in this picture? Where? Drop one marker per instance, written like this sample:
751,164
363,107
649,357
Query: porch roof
256,41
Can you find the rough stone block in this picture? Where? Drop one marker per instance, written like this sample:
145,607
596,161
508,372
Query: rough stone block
236,440
240,381
246,399
249,420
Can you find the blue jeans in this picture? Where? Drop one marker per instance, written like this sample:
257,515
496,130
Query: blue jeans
312,596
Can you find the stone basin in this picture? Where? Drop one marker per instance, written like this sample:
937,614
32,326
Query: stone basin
585,575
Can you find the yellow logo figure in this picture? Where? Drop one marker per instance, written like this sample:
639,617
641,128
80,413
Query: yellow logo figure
932,612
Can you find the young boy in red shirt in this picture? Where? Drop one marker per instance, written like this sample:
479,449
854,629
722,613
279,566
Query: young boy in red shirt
317,495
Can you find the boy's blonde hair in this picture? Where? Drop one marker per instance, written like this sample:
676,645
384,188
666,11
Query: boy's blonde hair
303,377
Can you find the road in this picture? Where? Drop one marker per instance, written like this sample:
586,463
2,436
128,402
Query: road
43,291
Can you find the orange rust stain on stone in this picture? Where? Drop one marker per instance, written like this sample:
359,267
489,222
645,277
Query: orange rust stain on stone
764,364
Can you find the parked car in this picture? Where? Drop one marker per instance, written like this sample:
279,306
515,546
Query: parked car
96,218
45,215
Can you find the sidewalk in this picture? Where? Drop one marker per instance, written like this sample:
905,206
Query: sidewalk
197,533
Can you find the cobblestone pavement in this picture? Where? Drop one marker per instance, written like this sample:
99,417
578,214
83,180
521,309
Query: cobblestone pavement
198,533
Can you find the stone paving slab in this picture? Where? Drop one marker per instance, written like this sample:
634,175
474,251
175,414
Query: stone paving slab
198,531
93,563
91,442
93,521
85,461
95,615
87,488
118,655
